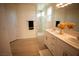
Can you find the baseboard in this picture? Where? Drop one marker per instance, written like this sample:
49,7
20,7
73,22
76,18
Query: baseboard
26,38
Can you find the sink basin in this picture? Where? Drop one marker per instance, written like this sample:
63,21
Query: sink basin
75,40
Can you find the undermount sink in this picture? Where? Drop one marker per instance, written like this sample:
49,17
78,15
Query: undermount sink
71,38
75,40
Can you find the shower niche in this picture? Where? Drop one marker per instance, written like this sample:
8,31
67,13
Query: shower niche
57,22
31,25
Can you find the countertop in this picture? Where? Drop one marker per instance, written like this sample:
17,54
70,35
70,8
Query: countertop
69,39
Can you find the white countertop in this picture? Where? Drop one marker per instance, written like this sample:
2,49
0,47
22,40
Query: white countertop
71,40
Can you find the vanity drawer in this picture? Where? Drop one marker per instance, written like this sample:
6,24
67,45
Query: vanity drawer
49,38
48,34
50,41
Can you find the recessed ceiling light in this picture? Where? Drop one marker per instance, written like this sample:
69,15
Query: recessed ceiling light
62,5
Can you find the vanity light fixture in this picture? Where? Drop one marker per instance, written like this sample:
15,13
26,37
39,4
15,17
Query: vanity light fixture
60,5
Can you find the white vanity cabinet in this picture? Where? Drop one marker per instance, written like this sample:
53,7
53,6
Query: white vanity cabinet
58,46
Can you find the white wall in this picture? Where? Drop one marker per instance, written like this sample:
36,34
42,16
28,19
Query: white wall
4,33
11,19
25,12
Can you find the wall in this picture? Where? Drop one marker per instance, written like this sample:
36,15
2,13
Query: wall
68,13
50,19
4,32
11,19
25,12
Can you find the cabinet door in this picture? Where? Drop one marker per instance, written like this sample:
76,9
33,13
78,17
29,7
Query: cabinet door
58,50
69,53
68,50
53,45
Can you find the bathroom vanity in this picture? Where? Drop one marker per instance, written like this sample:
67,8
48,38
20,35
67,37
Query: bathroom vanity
61,44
